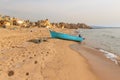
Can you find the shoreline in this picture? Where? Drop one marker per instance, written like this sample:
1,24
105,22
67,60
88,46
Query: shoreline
108,54
102,66
107,39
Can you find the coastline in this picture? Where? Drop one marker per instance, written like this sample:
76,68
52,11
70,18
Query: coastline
24,57
103,67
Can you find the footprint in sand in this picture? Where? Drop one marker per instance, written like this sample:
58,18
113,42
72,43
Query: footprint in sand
41,52
47,54
34,54
10,73
27,73
24,60
30,57
35,62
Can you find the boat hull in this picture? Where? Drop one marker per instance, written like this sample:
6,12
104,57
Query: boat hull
65,36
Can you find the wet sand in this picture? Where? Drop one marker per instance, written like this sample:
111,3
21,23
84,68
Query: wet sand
103,67
25,55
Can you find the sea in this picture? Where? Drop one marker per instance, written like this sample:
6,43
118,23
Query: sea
104,39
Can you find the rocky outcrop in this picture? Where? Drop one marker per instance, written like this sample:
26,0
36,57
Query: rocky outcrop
10,22
72,25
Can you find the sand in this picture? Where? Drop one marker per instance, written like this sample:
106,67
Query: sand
103,67
24,55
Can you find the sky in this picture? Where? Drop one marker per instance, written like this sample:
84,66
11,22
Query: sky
91,12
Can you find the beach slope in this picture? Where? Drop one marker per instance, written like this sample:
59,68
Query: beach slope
24,55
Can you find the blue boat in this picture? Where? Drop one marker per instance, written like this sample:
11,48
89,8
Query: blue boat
65,36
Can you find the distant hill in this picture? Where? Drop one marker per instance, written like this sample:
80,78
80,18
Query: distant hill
101,27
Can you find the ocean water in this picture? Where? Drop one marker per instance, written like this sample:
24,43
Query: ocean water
105,39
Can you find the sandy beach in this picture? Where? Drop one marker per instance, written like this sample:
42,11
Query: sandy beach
30,54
